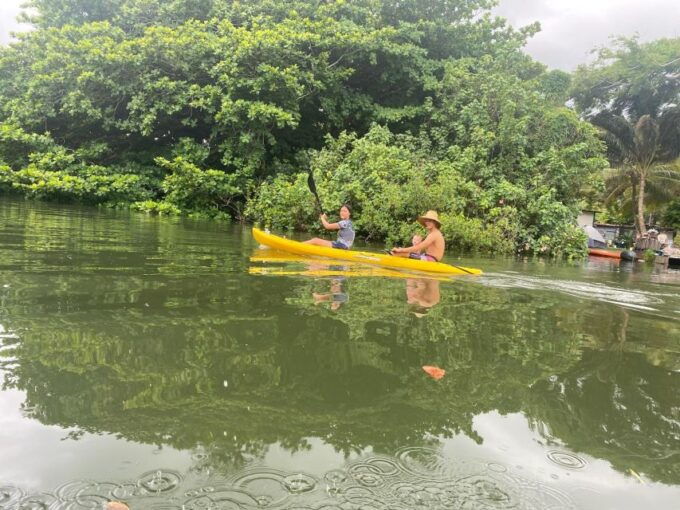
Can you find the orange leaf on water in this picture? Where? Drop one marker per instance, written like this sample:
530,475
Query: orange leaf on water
434,372
116,505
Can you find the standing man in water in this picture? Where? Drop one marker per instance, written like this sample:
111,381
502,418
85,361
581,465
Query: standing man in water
433,244
345,234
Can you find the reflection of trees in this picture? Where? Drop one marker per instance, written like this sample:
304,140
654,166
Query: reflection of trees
40,238
616,407
620,401
142,363
233,363
167,365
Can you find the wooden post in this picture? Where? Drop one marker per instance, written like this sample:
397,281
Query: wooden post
661,260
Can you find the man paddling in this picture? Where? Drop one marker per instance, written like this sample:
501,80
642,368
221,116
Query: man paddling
433,245
345,234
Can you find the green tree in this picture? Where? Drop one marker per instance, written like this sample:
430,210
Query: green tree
189,106
502,163
254,83
671,215
662,186
632,93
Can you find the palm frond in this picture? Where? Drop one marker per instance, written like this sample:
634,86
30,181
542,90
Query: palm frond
669,170
617,152
669,128
616,193
663,183
617,126
659,193
646,139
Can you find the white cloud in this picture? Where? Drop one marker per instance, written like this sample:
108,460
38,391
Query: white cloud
571,28
9,10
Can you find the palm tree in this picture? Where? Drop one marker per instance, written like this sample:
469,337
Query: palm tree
632,92
643,157
663,186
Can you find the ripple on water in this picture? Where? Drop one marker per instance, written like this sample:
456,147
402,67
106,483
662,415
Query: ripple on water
270,483
496,467
335,476
384,466
421,461
10,495
159,481
323,507
263,501
430,494
83,494
416,478
566,459
227,498
125,491
298,484
37,502
486,492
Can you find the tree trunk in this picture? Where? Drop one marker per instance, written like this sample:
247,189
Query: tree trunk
634,203
640,213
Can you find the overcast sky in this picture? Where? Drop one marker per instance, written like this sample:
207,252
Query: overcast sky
569,28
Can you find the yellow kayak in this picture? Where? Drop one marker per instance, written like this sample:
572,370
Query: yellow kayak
333,273
375,259
325,268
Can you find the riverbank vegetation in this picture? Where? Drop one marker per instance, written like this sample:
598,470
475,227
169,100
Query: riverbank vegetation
220,108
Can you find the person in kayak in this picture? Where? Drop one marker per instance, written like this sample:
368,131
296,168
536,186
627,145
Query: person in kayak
433,245
346,231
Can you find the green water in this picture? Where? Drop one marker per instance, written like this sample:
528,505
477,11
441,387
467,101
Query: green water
149,360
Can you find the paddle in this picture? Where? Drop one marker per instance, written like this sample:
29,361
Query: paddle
389,252
312,188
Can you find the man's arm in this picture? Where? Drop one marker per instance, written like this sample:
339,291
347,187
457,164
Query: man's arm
417,247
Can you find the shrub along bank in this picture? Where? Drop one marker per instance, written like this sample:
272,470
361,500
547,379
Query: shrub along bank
218,108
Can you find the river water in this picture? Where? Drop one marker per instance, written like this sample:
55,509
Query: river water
172,364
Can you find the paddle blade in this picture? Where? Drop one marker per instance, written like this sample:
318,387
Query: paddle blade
311,183
312,188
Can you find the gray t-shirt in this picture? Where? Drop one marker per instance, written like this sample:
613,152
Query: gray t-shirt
346,233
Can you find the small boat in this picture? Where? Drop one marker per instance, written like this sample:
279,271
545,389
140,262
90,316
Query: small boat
374,259
614,254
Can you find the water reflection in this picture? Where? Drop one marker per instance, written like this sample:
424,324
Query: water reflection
337,295
184,345
422,294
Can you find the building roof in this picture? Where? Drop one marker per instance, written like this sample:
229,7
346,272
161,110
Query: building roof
619,225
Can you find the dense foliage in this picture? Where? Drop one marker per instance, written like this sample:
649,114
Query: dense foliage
632,93
215,106
672,214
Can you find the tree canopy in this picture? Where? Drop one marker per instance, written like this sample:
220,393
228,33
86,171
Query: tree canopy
192,106
632,93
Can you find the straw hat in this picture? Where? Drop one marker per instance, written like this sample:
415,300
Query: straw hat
430,215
